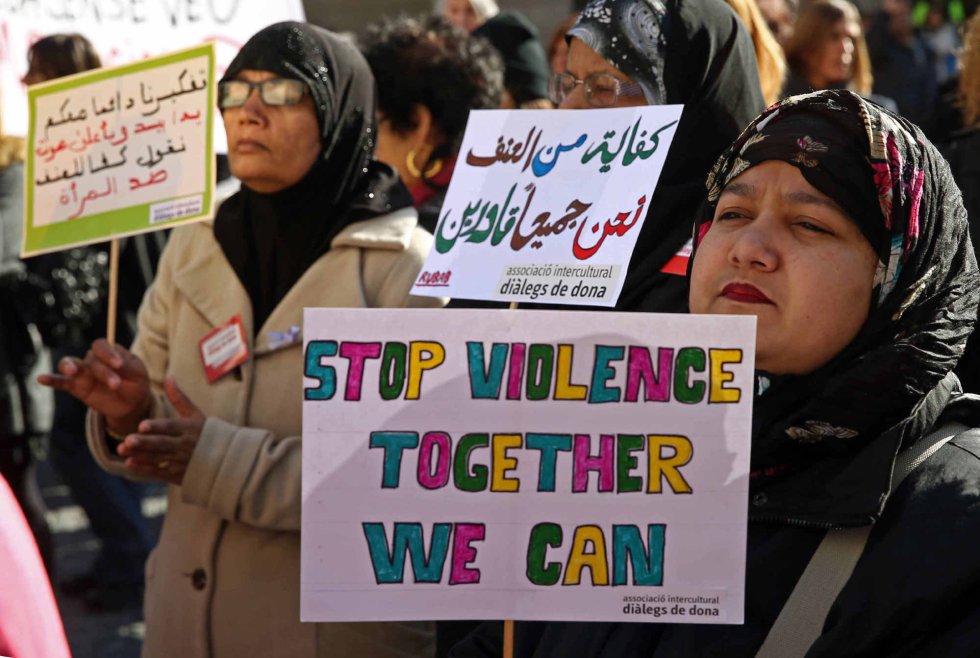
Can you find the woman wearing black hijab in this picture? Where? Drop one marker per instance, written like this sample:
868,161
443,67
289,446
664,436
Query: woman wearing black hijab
678,51
839,227
656,52
317,223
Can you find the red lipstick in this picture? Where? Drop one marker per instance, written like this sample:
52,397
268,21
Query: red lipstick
745,293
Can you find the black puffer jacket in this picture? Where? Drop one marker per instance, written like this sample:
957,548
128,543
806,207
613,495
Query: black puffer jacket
914,592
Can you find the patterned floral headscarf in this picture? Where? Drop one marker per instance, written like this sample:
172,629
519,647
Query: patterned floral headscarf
899,191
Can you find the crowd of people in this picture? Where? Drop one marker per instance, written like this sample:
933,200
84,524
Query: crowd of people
827,165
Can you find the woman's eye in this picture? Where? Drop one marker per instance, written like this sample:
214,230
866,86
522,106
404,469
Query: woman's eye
731,214
810,226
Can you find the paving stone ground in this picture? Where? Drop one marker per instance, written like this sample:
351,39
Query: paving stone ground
90,635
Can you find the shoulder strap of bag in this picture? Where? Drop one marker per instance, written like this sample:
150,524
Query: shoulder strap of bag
801,620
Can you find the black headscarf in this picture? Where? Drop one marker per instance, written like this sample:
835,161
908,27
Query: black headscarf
525,62
837,430
692,53
270,240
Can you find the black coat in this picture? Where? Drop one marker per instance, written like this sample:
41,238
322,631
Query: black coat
914,592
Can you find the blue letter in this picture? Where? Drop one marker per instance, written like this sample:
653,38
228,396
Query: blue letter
627,543
389,566
602,373
316,350
393,443
485,384
549,445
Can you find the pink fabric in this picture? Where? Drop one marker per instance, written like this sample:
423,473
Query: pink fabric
30,625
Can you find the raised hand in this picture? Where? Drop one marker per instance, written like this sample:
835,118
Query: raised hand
110,379
162,447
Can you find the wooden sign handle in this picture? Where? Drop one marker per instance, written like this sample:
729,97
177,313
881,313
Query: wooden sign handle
110,330
508,638
513,306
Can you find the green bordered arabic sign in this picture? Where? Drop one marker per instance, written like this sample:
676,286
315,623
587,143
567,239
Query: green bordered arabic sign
120,151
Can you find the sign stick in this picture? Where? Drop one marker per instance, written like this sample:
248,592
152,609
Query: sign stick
110,331
509,623
508,638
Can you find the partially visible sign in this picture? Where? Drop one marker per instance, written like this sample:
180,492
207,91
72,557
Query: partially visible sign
120,151
546,205
125,31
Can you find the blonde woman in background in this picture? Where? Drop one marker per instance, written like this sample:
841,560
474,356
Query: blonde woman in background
828,51
768,52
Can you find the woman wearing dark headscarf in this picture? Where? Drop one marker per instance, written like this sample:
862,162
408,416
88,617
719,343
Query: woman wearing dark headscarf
838,226
318,222
678,51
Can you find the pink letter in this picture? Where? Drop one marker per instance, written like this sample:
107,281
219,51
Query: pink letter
464,554
430,442
583,462
516,374
356,353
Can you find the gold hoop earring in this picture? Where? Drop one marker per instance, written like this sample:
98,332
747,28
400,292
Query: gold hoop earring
412,168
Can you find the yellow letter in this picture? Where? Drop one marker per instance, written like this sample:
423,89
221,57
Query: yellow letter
502,464
719,375
668,467
595,561
564,388
434,355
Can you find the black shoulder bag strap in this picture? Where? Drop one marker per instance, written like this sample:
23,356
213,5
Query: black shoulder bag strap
801,620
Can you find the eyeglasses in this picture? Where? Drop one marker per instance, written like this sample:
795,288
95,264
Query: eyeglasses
278,91
601,89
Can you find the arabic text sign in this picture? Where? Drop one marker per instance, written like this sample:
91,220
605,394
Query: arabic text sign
120,151
546,205
125,32
525,465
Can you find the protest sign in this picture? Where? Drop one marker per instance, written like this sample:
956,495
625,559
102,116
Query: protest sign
519,465
125,31
119,151
546,205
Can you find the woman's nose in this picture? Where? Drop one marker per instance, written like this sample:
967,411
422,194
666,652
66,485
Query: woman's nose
753,248
253,108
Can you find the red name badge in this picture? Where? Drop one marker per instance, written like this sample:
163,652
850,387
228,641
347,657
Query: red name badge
224,349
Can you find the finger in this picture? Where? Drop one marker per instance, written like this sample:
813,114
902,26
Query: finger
168,426
181,402
104,374
70,366
135,444
155,472
107,353
59,382
158,462
127,364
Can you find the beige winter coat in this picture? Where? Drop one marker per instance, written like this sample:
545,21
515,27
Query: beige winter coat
224,580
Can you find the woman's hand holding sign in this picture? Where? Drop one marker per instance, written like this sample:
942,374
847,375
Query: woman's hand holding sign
111,380
163,447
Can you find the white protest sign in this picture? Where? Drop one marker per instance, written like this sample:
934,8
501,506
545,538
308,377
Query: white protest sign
525,465
125,31
118,151
546,205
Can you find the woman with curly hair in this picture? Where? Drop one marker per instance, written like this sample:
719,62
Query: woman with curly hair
430,75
